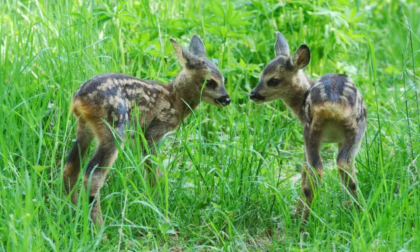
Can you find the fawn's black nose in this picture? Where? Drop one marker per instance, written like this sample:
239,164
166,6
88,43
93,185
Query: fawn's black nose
256,96
224,100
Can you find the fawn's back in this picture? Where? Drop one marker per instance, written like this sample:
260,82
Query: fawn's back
114,96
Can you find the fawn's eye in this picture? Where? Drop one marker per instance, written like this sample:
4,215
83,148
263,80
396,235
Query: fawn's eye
274,82
211,84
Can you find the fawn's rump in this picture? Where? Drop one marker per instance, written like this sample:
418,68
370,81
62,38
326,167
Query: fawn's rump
88,112
335,119
335,105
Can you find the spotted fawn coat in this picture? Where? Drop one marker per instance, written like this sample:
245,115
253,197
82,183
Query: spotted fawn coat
108,104
330,109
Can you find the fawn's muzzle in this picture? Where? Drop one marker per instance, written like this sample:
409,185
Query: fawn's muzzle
224,100
256,96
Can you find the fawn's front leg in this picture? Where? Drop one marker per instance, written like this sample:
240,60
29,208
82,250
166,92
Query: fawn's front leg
151,175
156,130
312,173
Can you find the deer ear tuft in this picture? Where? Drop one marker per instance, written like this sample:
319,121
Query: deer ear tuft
197,47
187,59
281,47
301,57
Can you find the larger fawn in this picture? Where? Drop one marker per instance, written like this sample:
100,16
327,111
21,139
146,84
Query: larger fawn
331,110
112,100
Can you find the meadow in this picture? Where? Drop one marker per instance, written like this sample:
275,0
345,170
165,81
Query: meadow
231,176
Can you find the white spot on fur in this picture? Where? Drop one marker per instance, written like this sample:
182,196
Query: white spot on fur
108,84
115,101
322,93
347,90
114,116
92,94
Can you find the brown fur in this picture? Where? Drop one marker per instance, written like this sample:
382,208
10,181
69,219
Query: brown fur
331,110
115,99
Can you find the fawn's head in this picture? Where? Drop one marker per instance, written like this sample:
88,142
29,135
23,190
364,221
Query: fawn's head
281,76
198,70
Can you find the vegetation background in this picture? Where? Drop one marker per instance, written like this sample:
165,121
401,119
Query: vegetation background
231,175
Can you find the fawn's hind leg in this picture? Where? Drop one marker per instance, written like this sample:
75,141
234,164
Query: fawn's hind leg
312,173
301,201
74,160
347,151
345,162
106,153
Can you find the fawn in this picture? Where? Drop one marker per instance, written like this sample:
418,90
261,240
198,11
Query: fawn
115,99
331,110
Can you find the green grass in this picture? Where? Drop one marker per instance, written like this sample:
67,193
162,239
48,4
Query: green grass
230,176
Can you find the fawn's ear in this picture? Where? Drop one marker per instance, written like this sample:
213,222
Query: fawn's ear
281,47
187,59
197,46
301,57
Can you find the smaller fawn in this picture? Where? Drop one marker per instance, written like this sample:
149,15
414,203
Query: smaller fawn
118,100
331,110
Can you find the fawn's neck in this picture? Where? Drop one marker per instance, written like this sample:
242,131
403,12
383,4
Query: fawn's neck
185,94
296,100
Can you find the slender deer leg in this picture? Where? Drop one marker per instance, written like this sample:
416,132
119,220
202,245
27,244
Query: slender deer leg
305,167
156,130
346,158
149,174
106,153
345,162
313,173
74,160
